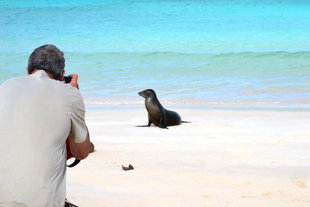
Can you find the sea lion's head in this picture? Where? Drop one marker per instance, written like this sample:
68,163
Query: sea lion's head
148,93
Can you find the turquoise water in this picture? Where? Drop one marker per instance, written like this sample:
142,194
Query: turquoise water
197,52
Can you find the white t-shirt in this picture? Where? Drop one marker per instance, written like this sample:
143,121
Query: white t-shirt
36,116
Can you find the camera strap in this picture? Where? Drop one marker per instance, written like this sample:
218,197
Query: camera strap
69,155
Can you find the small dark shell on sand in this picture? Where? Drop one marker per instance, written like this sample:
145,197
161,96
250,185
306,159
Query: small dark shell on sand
130,167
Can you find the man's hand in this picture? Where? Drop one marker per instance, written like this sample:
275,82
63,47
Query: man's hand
73,81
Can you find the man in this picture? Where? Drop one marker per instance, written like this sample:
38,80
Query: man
37,113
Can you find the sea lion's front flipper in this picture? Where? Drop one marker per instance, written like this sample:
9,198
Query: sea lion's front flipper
162,122
148,125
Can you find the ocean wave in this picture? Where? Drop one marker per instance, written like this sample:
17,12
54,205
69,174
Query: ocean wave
127,53
92,99
146,54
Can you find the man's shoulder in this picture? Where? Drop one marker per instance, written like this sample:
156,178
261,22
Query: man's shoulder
70,89
13,80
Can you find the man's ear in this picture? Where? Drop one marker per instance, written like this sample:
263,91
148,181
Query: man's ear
62,76
27,71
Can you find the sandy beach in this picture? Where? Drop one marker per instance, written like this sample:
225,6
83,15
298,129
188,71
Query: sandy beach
222,158
237,70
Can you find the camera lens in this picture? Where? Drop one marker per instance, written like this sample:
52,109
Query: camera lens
67,79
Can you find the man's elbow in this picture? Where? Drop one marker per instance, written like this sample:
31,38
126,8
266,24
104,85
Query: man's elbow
80,150
81,155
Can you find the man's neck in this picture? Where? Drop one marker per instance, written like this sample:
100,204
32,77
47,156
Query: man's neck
48,74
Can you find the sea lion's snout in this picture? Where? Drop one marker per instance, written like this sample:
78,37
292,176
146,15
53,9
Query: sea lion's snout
147,93
141,93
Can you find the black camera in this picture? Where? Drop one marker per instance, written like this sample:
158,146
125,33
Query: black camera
67,79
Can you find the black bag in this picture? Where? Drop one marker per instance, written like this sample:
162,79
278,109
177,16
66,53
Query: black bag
68,204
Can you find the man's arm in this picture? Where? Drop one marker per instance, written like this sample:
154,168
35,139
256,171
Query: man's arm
80,150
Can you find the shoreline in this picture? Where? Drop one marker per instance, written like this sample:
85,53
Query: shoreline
222,158
208,107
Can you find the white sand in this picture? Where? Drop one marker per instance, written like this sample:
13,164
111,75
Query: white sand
221,158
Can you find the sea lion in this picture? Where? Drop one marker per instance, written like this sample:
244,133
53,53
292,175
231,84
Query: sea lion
157,114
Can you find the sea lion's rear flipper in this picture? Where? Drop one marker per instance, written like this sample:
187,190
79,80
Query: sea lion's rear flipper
185,122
